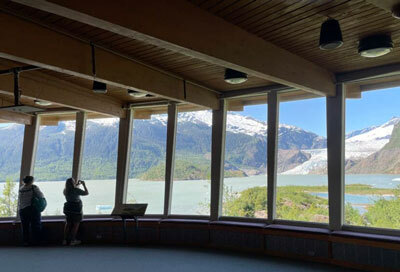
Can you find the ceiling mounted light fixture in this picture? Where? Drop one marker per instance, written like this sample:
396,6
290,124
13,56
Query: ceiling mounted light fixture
330,36
42,103
18,107
98,87
396,11
136,94
234,77
375,46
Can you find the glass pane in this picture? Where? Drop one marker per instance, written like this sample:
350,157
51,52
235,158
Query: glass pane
147,166
302,182
245,182
54,163
11,140
99,165
372,191
191,186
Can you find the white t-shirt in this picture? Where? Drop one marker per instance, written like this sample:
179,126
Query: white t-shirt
26,195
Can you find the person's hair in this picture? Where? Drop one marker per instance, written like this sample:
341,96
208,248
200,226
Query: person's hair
69,186
28,179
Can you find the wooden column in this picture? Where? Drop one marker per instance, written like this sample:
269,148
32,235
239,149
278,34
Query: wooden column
217,160
29,148
170,156
335,109
272,145
80,133
123,161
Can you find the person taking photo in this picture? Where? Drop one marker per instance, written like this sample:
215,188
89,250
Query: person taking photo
73,209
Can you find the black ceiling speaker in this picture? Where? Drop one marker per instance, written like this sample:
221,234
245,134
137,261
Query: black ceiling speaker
331,35
99,87
375,46
234,77
396,11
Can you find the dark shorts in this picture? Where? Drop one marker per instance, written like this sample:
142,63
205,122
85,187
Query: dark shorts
73,211
73,218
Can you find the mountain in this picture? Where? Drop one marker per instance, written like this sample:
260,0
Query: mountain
11,139
384,161
371,140
360,145
246,147
299,151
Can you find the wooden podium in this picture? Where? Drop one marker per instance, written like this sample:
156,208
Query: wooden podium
130,211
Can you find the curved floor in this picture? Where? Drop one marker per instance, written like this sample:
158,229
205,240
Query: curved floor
163,259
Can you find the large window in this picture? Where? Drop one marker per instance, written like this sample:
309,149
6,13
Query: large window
372,191
302,183
54,162
245,182
147,164
191,185
99,165
11,140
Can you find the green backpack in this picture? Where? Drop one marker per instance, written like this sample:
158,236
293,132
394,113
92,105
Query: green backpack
38,203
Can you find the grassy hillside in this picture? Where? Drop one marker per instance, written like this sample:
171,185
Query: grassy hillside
296,203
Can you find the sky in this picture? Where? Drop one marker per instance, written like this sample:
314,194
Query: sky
374,108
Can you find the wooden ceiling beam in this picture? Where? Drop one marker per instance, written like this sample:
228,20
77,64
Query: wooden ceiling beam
384,4
37,85
262,90
36,45
15,117
369,73
182,27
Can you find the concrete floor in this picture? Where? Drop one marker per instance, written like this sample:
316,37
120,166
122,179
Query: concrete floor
163,259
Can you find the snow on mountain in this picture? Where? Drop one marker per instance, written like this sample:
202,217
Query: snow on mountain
318,160
9,126
199,117
358,132
359,144
70,125
364,144
236,123
105,121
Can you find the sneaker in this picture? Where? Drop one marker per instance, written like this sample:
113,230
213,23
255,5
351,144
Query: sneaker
75,243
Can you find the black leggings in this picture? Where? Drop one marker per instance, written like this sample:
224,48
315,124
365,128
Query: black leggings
31,222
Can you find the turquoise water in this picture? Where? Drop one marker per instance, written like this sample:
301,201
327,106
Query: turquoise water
193,196
358,202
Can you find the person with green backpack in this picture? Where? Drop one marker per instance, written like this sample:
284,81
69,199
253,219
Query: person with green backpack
31,203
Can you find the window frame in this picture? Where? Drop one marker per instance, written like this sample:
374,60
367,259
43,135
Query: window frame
335,126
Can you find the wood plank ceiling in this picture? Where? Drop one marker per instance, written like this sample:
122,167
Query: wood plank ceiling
295,26
195,70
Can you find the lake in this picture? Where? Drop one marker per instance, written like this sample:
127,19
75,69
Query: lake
192,196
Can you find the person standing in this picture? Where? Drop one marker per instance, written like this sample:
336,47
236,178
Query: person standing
73,209
31,221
